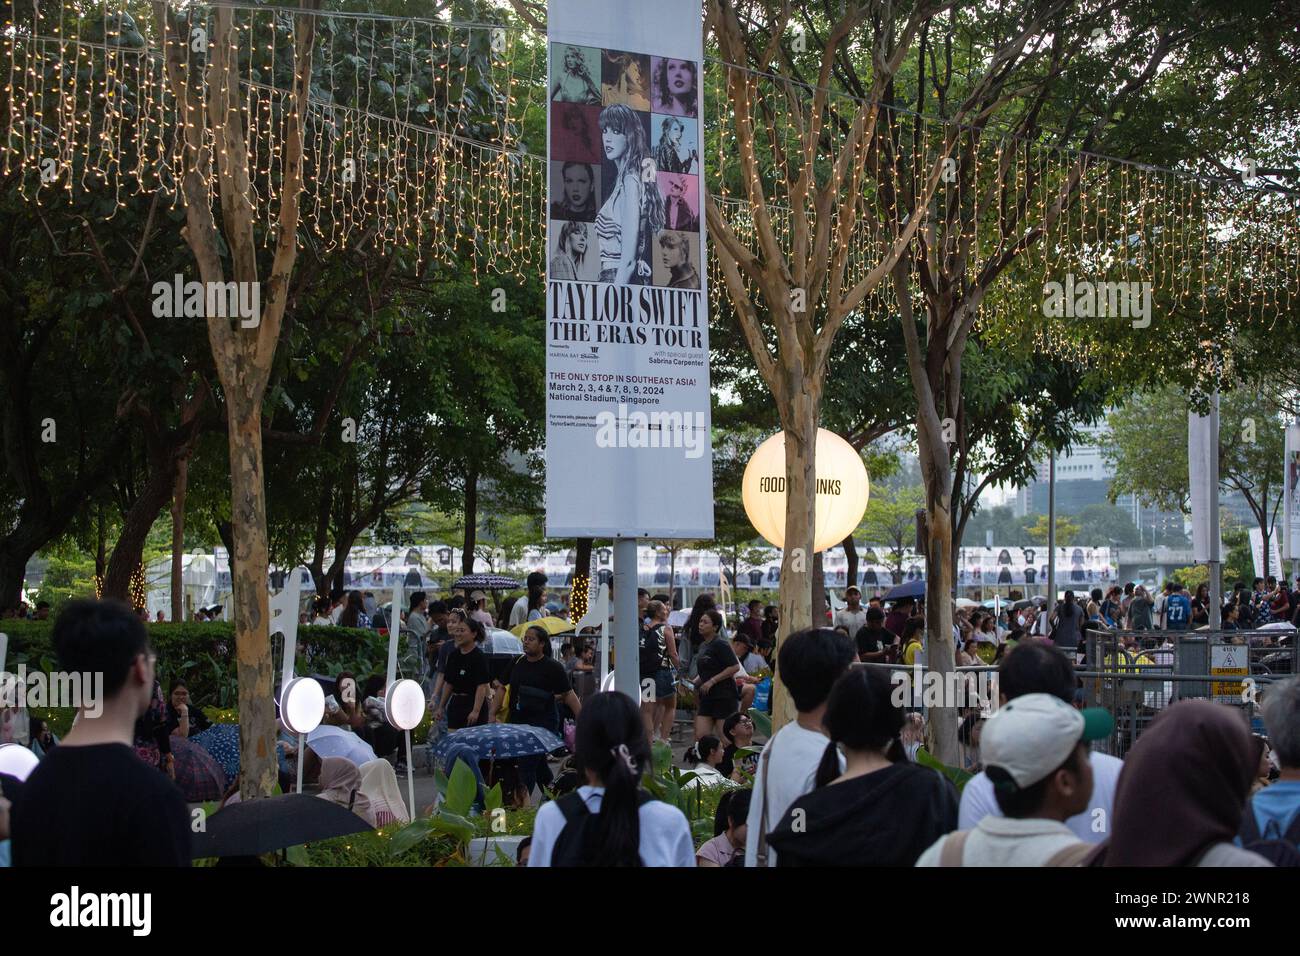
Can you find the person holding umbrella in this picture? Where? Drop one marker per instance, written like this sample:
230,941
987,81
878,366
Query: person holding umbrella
538,685
466,677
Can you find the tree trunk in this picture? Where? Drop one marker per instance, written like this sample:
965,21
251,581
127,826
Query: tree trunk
321,538
851,552
128,552
941,726
178,539
13,570
226,532
672,576
101,544
471,521
819,606
581,570
342,548
799,407
251,599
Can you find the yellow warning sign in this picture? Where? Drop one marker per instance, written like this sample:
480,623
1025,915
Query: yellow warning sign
1230,661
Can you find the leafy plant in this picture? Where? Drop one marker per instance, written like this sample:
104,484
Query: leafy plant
958,776
451,815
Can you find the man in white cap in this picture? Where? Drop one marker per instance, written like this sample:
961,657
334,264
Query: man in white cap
853,615
1035,752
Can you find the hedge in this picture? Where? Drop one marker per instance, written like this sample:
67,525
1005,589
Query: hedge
203,654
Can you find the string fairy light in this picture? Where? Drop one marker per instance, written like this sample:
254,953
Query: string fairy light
92,108
91,104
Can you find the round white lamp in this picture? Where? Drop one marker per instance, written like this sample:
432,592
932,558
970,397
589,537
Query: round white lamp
404,704
302,705
842,490
17,761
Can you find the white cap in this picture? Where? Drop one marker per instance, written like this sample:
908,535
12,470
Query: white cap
1031,736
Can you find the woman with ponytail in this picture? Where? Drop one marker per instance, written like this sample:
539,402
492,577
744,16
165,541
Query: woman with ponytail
610,821
880,810
703,759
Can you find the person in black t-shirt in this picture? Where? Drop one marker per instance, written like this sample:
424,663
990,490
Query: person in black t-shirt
92,801
715,690
538,685
872,639
466,675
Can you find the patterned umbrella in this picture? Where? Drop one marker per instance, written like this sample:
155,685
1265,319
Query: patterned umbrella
485,582
199,776
500,741
222,742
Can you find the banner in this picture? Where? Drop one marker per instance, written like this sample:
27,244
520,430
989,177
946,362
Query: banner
627,327
1202,474
1004,567
1274,554
1291,490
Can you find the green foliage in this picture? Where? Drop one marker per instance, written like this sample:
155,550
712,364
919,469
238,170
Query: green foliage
958,776
202,654
1101,524
890,520
1192,577
1067,532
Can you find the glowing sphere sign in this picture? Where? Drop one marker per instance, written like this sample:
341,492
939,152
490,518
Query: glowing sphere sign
302,705
404,704
842,490
17,761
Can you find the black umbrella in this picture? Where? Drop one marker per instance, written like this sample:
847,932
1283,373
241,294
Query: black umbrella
261,826
485,582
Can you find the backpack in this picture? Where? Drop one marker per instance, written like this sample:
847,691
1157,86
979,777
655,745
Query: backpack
653,650
1280,849
576,843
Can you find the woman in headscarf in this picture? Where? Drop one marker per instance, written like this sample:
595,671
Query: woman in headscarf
340,782
379,785
1183,790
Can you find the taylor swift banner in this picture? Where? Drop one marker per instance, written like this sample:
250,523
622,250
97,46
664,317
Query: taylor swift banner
627,333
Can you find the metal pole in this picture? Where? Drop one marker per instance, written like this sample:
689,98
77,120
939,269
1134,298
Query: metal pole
626,627
1215,563
302,746
1051,532
410,775
1286,527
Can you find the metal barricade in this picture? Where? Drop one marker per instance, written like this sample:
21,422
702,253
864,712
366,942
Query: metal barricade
1134,683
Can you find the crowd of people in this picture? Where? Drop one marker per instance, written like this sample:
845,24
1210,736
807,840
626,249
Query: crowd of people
839,785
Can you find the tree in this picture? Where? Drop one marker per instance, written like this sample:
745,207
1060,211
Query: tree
1106,525
1066,531
891,520
1016,405
243,355
1146,444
